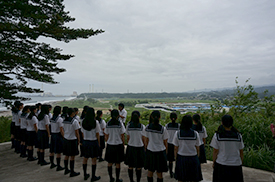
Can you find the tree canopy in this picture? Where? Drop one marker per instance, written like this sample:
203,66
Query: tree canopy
23,57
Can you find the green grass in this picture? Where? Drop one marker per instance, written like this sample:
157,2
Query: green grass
5,129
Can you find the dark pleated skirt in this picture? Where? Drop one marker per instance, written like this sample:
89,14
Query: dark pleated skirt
42,139
56,143
170,154
23,135
31,139
80,136
90,148
114,153
135,157
202,156
188,168
156,161
224,173
12,130
102,142
17,133
70,147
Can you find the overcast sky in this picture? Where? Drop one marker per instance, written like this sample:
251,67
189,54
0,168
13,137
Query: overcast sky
169,46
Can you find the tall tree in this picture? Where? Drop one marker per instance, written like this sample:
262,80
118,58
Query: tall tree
22,56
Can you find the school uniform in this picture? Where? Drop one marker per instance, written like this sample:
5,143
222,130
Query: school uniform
203,134
17,125
14,117
187,164
70,145
228,166
90,142
42,134
123,112
135,154
56,137
23,126
102,125
115,148
156,159
31,139
171,129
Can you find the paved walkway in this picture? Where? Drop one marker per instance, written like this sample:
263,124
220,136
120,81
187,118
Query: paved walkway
15,169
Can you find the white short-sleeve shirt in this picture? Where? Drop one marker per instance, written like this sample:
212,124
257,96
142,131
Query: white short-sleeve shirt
42,123
23,122
91,135
187,142
31,122
229,149
156,138
123,112
114,132
69,129
56,124
135,134
102,124
17,118
171,129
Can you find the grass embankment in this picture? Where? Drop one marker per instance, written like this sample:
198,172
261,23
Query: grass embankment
5,123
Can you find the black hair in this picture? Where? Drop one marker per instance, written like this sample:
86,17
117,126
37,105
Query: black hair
24,111
227,121
173,117
155,117
89,121
135,118
186,122
15,107
150,118
65,111
38,105
44,111
69,113
75,109
32,108
56,112
121,105
85,108
114,115
50,106
98,115
197,119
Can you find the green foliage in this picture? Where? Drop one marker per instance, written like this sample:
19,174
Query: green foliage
5,123
23,57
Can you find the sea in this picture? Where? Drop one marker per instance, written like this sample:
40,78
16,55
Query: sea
42,100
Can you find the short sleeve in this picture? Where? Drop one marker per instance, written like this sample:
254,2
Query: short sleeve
165,134
103,124
175,139
60,122
106,131
76,125
143,131
122,129
97,129
127,130
47,120
205,133
214,143
198,141
241,146
34,120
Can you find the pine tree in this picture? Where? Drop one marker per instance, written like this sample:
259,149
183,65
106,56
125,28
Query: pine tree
22,56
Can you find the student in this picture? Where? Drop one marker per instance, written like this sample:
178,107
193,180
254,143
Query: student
90,129
71,142
156,145
197,126
171,127
19,106
135,154
187,142
57,134
14,112
64,114
83,114
23,130
31,133
228,152
102,124
38,106
43,134
114,133
122,113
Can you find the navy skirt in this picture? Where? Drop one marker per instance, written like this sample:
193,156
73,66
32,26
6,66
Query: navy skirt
42,139
31,138
114,153
135,157
70,147
223,173
202,156
17,133
56,143
156,161
12,130
23,135
102,142
90,148
188,168
170,154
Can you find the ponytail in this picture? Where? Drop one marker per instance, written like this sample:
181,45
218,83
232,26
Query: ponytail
98,115
114,115
197,119
155,117
135,117
32,109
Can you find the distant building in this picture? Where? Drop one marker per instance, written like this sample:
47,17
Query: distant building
74,94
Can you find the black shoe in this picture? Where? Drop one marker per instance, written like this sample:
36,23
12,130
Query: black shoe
38,162
119,180
95,178
100,159
23,156
73,174
59,168
67,171
32,159
44,163
86,176
171,174
112,180
52,166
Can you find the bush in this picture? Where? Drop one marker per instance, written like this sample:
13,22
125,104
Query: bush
5,123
